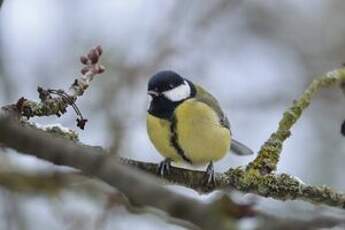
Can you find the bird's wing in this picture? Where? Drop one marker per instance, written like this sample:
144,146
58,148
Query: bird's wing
240,149
207,98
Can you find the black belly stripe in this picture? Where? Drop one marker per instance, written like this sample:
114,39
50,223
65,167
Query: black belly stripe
174,140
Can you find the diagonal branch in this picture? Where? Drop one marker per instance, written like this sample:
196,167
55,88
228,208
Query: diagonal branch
268,156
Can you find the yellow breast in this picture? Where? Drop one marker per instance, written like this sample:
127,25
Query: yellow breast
159,133
200,133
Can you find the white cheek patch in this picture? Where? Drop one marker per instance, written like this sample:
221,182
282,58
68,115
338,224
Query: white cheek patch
179,93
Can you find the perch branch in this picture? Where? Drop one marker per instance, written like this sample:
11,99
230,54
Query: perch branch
277,186
141,188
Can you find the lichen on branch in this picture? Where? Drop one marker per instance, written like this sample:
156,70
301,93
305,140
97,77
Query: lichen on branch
258,177
55,102
269,154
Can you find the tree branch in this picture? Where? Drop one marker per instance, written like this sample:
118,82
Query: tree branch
277,186
47,183
269,154
257,177
141,188
318,222
49,105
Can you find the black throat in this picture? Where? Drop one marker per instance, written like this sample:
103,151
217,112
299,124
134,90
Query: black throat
163,108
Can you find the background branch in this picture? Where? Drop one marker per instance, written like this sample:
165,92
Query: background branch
46,183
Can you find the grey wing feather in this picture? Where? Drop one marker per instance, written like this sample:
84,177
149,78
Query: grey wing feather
240,149
204,96
211,101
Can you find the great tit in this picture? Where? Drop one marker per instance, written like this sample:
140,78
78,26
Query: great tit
186,123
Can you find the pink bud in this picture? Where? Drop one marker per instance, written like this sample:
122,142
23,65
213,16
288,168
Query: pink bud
100,69
84,70
83,60
93,56
99,50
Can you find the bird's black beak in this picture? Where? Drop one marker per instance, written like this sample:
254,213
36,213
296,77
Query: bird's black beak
153,93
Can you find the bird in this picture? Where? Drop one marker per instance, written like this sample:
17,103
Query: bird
185,123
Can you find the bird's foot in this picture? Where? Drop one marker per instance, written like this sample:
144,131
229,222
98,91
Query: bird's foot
164,167
210,179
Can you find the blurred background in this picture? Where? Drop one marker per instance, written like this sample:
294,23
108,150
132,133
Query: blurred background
255,56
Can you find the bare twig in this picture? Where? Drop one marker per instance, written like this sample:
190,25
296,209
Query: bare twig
49,105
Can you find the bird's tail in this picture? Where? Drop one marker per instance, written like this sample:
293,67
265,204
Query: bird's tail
240,149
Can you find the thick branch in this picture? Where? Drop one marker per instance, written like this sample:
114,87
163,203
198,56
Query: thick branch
97,163
141,188
318,222
48,183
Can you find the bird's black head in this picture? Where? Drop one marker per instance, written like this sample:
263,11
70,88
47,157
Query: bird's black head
166,90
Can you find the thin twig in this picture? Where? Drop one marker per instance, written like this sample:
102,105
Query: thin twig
49,105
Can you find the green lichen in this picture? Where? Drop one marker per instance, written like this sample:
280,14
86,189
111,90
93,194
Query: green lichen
269,154
46,108
322,195
55,130
58,132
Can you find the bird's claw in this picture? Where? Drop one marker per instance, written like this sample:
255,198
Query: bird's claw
164,167
210,179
